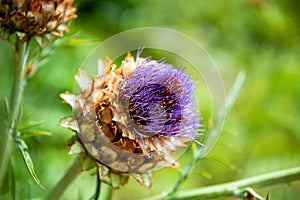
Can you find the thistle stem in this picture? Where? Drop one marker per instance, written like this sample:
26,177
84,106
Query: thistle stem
6,149
238,188
21,53
67,179
21,56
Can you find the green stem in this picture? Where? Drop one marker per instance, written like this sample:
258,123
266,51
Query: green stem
67,179
6,149
236,188
21,51
21,56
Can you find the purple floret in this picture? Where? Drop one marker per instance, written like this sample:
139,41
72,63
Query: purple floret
160,101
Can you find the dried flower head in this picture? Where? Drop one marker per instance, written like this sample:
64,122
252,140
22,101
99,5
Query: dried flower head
132,118
36,17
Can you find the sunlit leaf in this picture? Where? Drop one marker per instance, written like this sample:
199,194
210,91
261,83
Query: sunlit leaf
79,42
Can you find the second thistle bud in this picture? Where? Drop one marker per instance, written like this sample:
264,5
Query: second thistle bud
36,17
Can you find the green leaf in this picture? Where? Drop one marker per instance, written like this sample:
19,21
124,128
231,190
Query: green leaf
26,117
31,133
29,125
80,42
28,161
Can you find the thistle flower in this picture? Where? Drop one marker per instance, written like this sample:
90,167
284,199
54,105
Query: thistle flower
36,17
132,118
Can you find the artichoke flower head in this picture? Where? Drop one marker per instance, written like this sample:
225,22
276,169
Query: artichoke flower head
130,119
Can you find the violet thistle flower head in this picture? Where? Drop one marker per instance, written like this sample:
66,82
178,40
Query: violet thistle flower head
36,17
132,118
160,101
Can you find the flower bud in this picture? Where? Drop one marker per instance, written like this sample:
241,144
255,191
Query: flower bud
36,17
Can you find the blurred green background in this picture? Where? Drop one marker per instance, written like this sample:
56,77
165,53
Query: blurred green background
261,132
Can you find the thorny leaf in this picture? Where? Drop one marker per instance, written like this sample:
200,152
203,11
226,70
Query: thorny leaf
28,161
